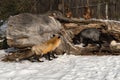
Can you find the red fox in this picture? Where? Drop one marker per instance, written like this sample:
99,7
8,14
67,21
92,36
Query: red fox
47,47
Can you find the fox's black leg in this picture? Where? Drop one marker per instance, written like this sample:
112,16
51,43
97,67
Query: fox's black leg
47,56
38,58
35,58
53,55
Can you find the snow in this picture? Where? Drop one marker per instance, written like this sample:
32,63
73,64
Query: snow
65,67
3,28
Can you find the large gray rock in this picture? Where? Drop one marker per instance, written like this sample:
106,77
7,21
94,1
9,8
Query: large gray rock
25,30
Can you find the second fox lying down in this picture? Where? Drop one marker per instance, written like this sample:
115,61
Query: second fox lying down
93,36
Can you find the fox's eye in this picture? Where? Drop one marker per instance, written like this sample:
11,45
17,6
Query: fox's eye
58,36
53,35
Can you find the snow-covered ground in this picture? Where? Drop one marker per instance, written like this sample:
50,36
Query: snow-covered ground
65,67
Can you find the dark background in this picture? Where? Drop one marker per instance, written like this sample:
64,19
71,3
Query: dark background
77,7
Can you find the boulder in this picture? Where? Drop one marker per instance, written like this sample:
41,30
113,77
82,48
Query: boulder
26,30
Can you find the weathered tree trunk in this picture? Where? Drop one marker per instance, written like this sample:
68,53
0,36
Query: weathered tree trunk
110,25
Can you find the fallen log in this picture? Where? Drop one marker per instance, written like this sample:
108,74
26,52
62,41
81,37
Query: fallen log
60,17
113,26
17,56
76,20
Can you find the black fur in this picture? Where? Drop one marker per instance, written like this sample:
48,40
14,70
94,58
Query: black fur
50,55
88,36
93,36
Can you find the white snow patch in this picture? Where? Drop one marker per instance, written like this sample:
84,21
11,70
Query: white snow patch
3,29
65,67
80,45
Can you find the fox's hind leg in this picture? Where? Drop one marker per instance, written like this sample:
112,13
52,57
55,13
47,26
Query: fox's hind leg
52,54
36,58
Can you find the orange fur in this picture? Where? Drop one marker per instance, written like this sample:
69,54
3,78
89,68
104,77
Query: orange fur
47,46
69,14
87,14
